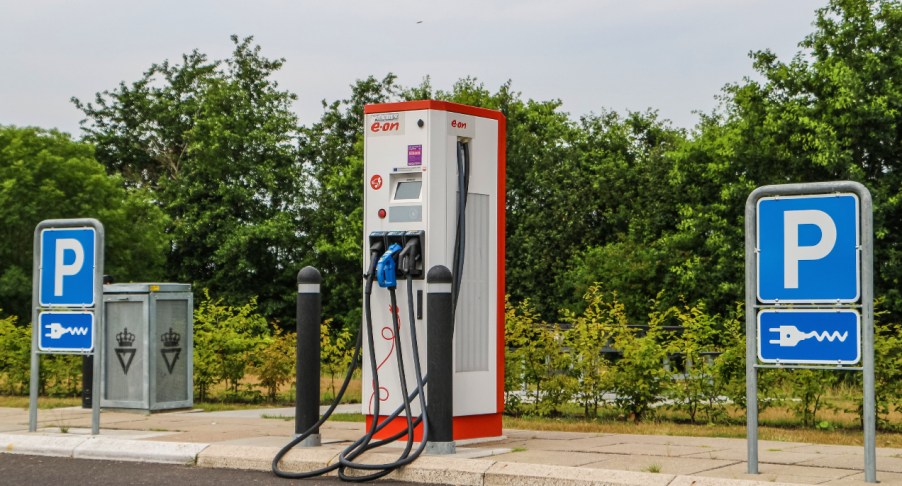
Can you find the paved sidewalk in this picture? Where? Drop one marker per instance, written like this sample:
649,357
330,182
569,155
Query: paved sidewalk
249,439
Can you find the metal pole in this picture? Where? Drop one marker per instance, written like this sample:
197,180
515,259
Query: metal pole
751,352
439,364
869,418
99,322
35,329
309,309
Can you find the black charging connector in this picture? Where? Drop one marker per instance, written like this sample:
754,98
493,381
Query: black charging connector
411,257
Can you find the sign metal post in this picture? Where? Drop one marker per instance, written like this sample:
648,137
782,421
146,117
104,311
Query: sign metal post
809,298
67,303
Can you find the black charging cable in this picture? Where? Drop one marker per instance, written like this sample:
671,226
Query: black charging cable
375,250
409,257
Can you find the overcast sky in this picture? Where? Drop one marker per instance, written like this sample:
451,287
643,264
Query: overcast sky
670,55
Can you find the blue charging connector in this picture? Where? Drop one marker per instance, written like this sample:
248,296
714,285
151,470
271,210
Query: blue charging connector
386,269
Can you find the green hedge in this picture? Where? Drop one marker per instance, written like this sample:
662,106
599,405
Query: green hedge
682,358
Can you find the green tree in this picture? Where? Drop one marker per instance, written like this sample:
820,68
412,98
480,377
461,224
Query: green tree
46,175
217,143
832,112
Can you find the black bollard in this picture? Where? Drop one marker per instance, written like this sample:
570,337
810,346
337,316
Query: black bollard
439,366
309,308
87,380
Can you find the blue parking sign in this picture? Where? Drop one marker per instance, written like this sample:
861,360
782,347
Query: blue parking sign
67,267
808,249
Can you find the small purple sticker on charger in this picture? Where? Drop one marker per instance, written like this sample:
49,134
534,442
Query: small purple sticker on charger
414,155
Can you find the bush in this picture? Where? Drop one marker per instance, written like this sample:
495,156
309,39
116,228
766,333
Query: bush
589,335
275,363
336,352
534,362
15,356
227,340
698,387
639,379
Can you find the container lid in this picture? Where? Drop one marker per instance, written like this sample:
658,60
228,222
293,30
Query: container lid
145,288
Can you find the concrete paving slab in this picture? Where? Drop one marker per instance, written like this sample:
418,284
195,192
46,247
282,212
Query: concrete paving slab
478,453
548,435
558,458
516,474
117,433
666,465
98,447
648,449
855,462
700,481
883,478
771,456
779,473
576,444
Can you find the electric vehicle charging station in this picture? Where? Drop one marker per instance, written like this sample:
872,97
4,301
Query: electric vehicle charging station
412,155
433,218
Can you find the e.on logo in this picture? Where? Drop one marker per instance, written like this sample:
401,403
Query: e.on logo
385,127
385,124
462,125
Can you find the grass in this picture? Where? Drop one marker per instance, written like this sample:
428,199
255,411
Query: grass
277,416
43,402
653,468
348,417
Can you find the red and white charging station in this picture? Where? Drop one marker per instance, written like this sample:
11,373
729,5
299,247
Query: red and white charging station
411,184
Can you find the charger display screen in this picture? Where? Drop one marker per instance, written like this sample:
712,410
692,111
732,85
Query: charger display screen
408,190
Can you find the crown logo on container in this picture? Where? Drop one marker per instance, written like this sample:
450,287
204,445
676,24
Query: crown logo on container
126,339
171,339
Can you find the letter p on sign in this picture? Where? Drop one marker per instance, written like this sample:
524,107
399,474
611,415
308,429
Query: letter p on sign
808,248
63,269
793,251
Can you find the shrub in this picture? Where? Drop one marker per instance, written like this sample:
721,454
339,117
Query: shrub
589,335
336,352
15,356
698,387
227,340
274,364
638,378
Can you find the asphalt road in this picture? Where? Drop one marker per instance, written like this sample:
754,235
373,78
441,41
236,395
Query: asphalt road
39,470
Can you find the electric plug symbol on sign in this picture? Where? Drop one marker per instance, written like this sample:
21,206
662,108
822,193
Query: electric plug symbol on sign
67,267
808,249
811,336
66,331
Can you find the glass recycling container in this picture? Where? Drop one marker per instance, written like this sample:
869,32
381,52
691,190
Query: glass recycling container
148,346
